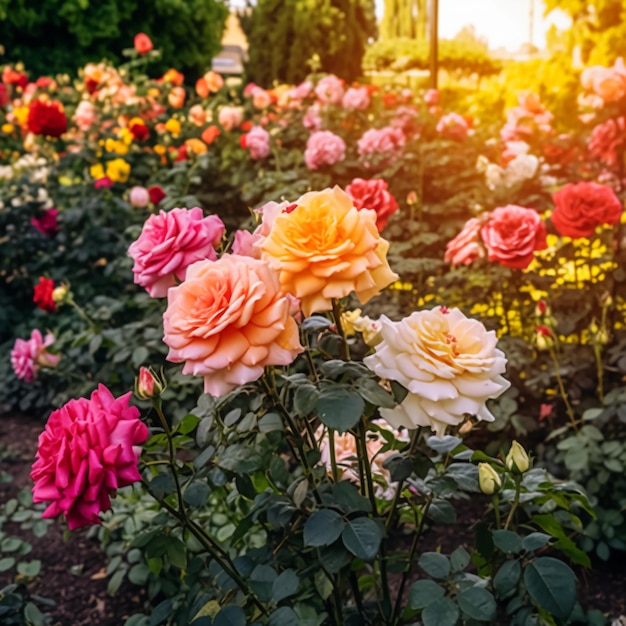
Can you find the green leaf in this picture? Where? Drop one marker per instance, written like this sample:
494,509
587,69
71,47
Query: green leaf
442,512
334,558
362,536
270,422
284,616
435,564
507,541
305,399
262,581
230,616
139,574
33,616
373,393
6,563
551,585
29,568
349,499
340,408
176,552
444,444
285,585
424,592
197,493
323,528
400,467
477,603
534,541
507,577
459,559
444,612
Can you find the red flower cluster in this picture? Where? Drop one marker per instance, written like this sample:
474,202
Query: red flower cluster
373,194
42,295
47,118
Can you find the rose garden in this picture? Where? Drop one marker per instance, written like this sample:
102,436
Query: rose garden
276,339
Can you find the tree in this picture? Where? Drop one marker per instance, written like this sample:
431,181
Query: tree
62,35
404,18
285,35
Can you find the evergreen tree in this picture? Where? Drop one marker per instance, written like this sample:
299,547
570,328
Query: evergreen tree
405,18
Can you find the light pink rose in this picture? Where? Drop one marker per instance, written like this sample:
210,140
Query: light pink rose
381,145
356,99
169,243
512,234
197,115
28,356
373,194
244,244
329,90
449,364
453,126
431,97
292,98
257,142
230,117
324,148
312,118
466,247
229,320
609,83
88,450
606,138
261,99
139,197
85,115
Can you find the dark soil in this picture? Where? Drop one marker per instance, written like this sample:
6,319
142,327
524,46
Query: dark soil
73,571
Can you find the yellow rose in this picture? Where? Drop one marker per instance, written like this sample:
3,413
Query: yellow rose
8,128
325,248
118,170
172,126
96,171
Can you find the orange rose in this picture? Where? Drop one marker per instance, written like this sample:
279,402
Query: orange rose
210,134
196,146
176,97
325,248
173,76
227,321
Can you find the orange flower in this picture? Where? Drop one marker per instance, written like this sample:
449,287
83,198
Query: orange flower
325,248
210,134
173,76
227,321
196,146
176,97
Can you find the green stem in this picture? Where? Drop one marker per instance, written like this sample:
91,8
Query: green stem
568,406
518,488
81,313
597,350
340,331
333,455
366,480
496,509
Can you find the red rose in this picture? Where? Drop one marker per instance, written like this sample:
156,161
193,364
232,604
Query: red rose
143,43
11,77
156,194
140,132
47,118
580,207
373,194
4,96
42,295
512,234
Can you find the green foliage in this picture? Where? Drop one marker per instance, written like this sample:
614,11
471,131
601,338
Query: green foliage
61,37
288,38
404,18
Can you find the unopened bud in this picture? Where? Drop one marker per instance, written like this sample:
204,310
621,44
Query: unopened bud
544,339
370,330
517,460
411,198
148,384
59,294
542,308
348,321
606,300
488,479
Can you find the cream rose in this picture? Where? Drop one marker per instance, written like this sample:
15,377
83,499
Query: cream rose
448,362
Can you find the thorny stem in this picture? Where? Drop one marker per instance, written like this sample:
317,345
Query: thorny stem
559,380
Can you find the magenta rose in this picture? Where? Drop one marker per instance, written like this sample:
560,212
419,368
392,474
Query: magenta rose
373,194
466,247
47,224
28,356
512,234
88,449
580,207
169,243
324,148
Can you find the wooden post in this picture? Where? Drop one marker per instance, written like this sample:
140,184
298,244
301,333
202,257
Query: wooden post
434,42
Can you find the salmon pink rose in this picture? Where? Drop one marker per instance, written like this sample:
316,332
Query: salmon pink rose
227,321
326,248
169,243
580,207
512,235
143,43
88,450
449,364
466,247
373,194
609,83
28,356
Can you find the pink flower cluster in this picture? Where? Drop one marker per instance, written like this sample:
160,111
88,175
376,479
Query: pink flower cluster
88,449
606,83
381,145
29,355
169,243
324,148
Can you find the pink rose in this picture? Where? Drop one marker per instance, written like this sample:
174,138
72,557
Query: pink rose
580,207
88,449
103,183
453,126
244,244
139,197
324,148
356,99
169,243
257,142
512,234
329,90
606,138
85,115
229,320
230,117
373,194
383,144
28,356
609,83
466,247
431,97
312,118
47,224
261,99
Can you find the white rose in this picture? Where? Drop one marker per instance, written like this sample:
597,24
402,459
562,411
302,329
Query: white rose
448,362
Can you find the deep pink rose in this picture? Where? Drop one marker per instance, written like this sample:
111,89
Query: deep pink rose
606,138
29,355
373,194
512,234
88,449
466,247
383,144
324,148
169,243
257,142
47,224
580,207
103,183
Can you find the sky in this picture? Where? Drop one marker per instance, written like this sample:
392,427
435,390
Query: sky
505,23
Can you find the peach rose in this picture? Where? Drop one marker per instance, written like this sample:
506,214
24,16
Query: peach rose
512,235
227,321
609,83
449,364
466,247
230,117
176,97
326,248
197,115
85,115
